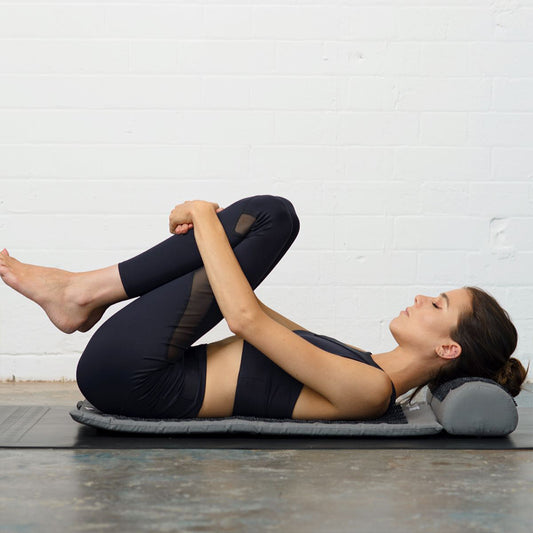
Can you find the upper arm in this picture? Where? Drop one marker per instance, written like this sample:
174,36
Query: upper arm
354,389
310,405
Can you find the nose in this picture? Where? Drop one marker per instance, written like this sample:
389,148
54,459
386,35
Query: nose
419,299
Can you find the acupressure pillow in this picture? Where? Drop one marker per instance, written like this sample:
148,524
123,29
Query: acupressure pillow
474,406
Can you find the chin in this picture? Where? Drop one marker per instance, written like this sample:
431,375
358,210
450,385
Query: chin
394,327
400,330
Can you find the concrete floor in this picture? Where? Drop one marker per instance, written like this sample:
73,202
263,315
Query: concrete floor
258,490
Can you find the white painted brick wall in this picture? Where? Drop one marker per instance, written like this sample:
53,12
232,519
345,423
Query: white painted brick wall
401,131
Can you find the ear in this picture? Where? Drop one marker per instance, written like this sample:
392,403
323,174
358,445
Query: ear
451,350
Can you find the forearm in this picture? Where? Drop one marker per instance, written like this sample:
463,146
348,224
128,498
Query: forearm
232,290
280,319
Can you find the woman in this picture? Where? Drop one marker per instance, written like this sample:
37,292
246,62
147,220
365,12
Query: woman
141,361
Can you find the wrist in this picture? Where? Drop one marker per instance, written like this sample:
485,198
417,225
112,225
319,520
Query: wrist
199,209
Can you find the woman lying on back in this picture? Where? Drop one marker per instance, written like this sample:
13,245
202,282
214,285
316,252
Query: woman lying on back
141,362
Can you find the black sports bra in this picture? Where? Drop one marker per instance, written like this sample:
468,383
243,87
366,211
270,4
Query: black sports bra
265,390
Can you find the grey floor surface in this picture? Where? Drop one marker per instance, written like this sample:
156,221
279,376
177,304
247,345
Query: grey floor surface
258,490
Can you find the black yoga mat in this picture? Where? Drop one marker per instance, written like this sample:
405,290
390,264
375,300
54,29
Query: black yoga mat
34,426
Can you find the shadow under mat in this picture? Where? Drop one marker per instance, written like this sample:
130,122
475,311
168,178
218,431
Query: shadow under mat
34,426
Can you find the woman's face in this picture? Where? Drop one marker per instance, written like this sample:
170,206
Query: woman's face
427,324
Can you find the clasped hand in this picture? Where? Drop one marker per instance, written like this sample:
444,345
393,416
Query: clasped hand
180,220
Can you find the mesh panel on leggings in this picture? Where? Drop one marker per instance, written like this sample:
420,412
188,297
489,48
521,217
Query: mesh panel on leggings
244,223
200,300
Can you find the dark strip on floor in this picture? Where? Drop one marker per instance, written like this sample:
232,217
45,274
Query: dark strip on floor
34,426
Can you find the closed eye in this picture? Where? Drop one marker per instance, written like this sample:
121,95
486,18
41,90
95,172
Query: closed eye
435,305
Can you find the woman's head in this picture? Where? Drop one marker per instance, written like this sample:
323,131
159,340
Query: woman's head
488,338
426,326
470,333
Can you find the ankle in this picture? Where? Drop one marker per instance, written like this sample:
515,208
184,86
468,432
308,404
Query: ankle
80,290
99,288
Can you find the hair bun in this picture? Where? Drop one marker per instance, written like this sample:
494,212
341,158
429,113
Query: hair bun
512,375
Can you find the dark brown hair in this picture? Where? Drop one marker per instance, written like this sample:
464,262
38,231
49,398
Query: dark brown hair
487,338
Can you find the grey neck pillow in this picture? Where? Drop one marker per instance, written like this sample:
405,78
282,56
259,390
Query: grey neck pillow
474,406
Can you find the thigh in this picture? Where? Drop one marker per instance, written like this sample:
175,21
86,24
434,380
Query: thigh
268,223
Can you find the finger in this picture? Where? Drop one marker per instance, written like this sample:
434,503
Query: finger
175,228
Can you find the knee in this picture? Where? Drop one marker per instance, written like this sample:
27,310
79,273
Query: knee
281,211
290,211
286,212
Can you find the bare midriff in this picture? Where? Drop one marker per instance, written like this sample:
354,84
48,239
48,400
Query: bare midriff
222,373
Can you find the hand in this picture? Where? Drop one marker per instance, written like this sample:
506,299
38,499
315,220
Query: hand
180,220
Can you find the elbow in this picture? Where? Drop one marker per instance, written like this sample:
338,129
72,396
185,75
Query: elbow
241,323
371,404
382,398
235,326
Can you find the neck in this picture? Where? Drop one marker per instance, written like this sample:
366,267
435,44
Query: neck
406,369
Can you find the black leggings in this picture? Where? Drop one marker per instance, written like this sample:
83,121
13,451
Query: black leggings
140,361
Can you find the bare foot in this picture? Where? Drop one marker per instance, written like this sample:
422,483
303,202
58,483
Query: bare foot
60,293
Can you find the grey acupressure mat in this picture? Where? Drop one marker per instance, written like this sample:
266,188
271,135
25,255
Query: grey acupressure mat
399,421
